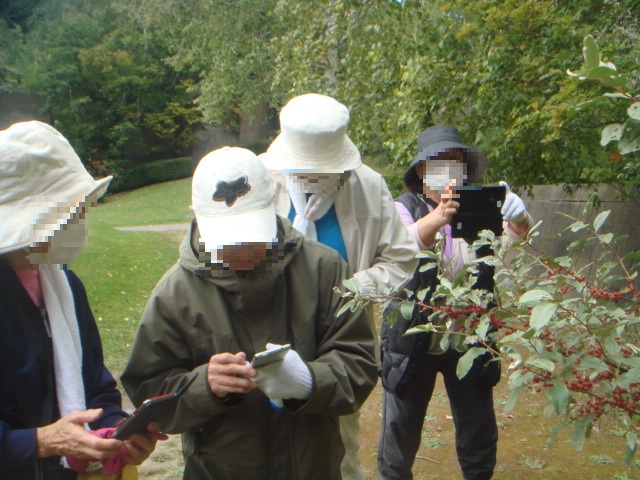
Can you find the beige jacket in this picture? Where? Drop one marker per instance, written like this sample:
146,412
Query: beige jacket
380,252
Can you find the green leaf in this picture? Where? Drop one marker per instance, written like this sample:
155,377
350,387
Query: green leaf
611,346
600,219
466,361
577,226
581,430
615,95
606,238
590,52
406,309
607,76
634,111
612,132
629,453
630,447
592,363
559,396
555,430
544,364
541,314
426,328
534,297
352,284
345,307
578,244
512,399
630,141
391,316
428,266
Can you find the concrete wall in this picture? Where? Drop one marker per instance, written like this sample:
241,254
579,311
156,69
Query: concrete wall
548,200
253,134
20,107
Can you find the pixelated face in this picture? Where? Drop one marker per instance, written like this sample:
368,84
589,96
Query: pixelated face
243,256
443,170
64,242
322,183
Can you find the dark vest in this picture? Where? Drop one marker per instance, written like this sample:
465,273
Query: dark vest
400,353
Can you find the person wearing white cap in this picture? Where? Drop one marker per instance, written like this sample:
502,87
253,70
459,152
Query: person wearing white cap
58,401
331,196
246,281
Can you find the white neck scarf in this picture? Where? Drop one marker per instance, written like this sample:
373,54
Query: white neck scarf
65,335
308,210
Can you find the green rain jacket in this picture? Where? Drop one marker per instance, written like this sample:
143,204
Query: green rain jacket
197,311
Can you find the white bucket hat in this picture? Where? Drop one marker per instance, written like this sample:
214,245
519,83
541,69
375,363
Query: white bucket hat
313,138
43,184
233,199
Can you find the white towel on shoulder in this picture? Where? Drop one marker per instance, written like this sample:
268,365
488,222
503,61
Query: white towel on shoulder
65,334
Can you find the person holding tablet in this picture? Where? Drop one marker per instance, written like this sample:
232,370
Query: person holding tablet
410,364
58,402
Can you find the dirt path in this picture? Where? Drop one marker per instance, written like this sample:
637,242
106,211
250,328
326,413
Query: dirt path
522,450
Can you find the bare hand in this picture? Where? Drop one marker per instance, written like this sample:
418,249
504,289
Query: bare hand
68,438
226,373
430,224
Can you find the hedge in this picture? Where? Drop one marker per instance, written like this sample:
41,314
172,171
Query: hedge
153,172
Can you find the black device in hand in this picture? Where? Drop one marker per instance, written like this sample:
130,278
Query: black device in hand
151,410
479,210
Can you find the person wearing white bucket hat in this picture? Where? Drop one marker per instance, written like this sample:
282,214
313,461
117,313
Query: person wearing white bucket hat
246,281
53,380
331,196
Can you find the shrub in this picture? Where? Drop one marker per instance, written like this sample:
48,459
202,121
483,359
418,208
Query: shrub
571,336
153,172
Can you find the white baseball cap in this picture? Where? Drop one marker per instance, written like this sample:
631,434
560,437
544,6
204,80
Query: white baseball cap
233,199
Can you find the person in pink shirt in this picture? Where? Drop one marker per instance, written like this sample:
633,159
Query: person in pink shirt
58,402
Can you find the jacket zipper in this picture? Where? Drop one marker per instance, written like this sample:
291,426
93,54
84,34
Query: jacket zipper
45,320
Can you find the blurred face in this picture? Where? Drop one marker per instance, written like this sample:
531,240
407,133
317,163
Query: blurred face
64,245
447,170
322,183
244,256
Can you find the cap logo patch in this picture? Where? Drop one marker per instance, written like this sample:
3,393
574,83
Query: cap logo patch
229,192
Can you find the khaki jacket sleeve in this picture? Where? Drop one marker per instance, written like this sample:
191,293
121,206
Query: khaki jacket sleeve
344,369
161,361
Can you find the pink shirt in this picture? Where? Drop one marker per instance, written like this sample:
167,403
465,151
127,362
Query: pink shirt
30,280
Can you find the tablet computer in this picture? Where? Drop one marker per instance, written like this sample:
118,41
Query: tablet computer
151,410
269,356
479,210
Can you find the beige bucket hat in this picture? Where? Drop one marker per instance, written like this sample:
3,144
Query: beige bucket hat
43,184
313,138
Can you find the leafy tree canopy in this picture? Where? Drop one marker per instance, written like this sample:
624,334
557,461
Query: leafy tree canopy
120,74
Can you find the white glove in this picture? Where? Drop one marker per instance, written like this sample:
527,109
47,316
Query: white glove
288,378
513,209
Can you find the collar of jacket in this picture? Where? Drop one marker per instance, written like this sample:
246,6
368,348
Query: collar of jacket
281,254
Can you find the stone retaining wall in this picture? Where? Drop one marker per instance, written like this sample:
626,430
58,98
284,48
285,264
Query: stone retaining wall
547,200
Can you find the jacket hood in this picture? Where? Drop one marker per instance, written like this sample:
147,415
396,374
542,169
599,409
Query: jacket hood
200,264
437,139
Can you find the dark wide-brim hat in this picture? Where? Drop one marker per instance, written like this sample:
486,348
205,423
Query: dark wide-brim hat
437,139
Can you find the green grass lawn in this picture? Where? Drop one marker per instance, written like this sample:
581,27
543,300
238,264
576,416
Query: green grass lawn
120,269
